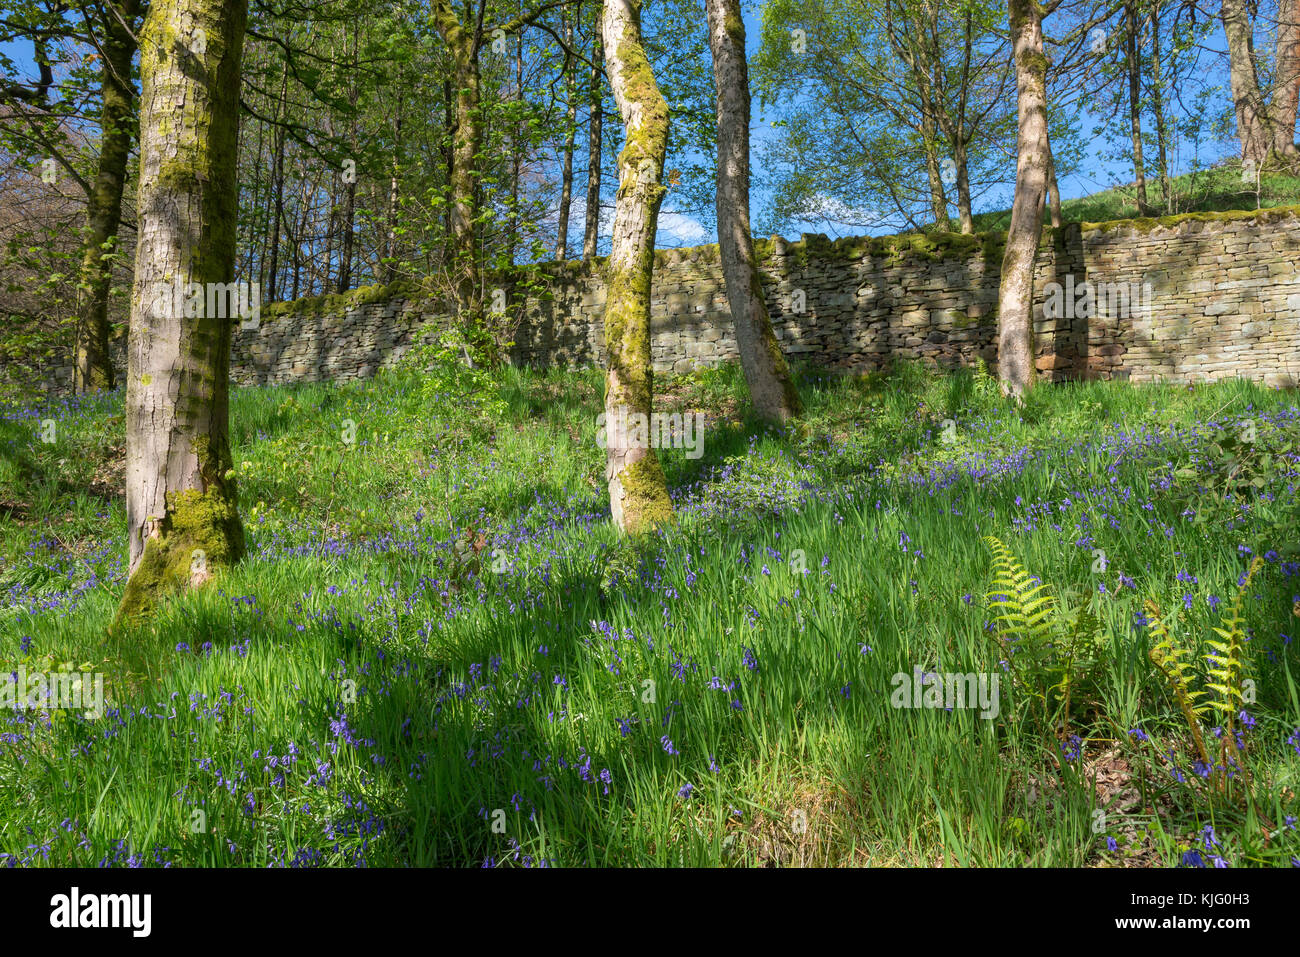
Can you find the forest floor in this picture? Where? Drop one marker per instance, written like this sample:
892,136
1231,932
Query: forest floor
437,651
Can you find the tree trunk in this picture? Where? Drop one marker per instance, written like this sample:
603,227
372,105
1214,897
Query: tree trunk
394,184
182,517
467,138
570,136
92,365
1016,291
1053,191
1158,107
1135,104
517,160
1286,81
592,232
933,170
348,224
277,184
964,215
638,491
1247,101
766,373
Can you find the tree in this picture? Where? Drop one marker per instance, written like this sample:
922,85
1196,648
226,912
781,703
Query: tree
638,491
1016,289
92,367
595,105
570,136
1265,124
182,517
885,104
766,373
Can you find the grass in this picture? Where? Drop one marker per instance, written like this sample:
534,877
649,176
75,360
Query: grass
1216,189
438,651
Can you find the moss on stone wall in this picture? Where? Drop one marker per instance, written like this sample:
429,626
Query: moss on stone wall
1146,224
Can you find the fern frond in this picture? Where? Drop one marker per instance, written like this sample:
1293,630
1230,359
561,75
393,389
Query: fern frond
1172,660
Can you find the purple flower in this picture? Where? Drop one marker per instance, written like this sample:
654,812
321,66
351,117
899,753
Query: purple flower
1072,748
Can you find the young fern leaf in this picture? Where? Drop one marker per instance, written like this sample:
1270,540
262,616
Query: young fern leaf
1171,659
1229,659
1025,611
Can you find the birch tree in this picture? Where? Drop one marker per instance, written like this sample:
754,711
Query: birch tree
766,372
1016,289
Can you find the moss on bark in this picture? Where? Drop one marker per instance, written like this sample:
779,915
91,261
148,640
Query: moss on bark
200,536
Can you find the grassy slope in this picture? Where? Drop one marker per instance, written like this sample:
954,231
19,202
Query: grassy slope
1213,190
440,636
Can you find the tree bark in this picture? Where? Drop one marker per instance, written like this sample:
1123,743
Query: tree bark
1053,191
938,197
1243,77
277,184
92,364
349,217
394,185
1135,104
570,137
591,234
1286,81
517,160
1016,291
638,491
766,372
462,42
182,516
1158,108
964,215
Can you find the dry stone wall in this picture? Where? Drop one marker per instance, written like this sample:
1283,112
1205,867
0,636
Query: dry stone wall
1205,296
1210,296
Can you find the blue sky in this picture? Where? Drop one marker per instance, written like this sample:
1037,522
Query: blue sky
1096,173
679,229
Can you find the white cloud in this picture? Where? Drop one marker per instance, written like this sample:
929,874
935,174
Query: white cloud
681,230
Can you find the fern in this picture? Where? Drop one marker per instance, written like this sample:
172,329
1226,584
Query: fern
1228,673
1048,639
1174,663
1024,610
1225,678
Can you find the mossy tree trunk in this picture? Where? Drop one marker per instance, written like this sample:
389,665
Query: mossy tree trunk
1016,290
463,41
934,172
92,367
766,372
638,491
182,517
